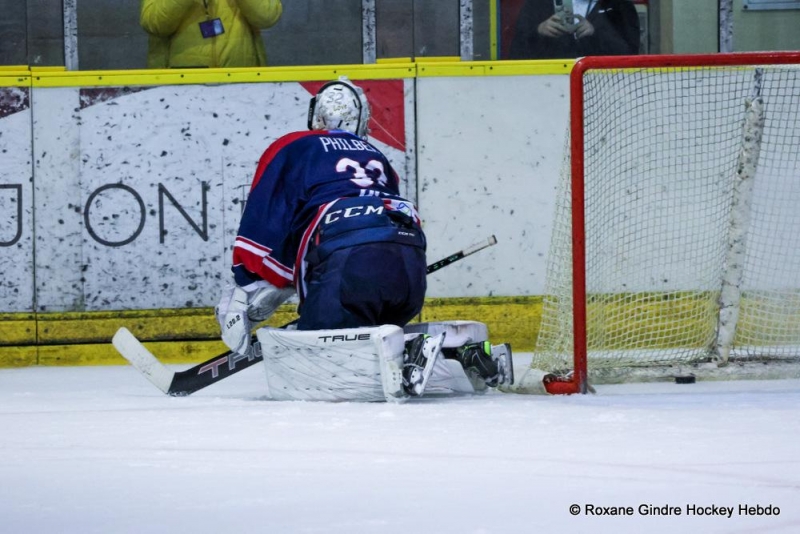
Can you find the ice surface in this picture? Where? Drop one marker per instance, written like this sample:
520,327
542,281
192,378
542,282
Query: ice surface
101,450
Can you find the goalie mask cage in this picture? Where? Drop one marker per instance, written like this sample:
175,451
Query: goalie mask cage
676,241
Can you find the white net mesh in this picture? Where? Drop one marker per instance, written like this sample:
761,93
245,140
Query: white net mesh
679,203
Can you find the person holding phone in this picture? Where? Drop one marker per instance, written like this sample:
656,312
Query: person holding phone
559,29
207,33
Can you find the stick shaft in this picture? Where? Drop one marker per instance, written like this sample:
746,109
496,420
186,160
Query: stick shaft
444,262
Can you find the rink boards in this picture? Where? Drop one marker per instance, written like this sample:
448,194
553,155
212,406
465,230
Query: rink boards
120,192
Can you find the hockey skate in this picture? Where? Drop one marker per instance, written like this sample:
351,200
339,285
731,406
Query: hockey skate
492,363
418,360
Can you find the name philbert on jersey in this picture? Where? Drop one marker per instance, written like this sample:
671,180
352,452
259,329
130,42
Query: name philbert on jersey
336,143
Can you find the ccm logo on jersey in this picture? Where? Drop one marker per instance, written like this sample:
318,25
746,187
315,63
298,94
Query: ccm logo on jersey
344,337
353,211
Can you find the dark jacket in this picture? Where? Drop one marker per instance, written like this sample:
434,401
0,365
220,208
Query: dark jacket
616,32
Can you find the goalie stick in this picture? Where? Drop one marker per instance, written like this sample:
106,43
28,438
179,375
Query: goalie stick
444,262
182,383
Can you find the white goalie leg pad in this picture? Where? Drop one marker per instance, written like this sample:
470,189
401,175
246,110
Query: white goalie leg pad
458,332
352,364
448,376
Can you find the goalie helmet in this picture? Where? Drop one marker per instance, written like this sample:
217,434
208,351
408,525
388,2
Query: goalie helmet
339,105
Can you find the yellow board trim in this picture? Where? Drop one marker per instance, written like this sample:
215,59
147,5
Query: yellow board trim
13,78
17,329
18,356
385,60
389,68
192,335
47,68
494,68
220,76
170,352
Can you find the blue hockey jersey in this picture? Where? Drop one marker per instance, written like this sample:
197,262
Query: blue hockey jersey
315,192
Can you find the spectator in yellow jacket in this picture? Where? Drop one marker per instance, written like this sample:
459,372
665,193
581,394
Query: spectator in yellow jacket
207,33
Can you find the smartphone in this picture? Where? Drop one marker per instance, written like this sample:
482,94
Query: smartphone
564,11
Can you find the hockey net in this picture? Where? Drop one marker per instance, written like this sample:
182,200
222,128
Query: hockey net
676,241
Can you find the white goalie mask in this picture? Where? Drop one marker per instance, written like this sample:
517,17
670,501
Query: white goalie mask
340,105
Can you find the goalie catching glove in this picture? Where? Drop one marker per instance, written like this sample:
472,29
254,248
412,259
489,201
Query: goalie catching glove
239,309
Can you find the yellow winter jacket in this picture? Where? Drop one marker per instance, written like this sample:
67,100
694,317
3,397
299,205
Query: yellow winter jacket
176,41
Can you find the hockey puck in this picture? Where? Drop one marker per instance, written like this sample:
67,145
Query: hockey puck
685,379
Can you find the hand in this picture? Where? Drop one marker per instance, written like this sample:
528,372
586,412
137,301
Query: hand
234,324
239,309
554,27
583,28
265,299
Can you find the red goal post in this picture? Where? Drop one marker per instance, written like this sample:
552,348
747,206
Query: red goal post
705,93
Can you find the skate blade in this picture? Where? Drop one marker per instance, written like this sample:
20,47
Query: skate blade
502,353
435,342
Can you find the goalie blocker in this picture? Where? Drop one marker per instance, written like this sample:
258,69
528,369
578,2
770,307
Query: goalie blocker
374,363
